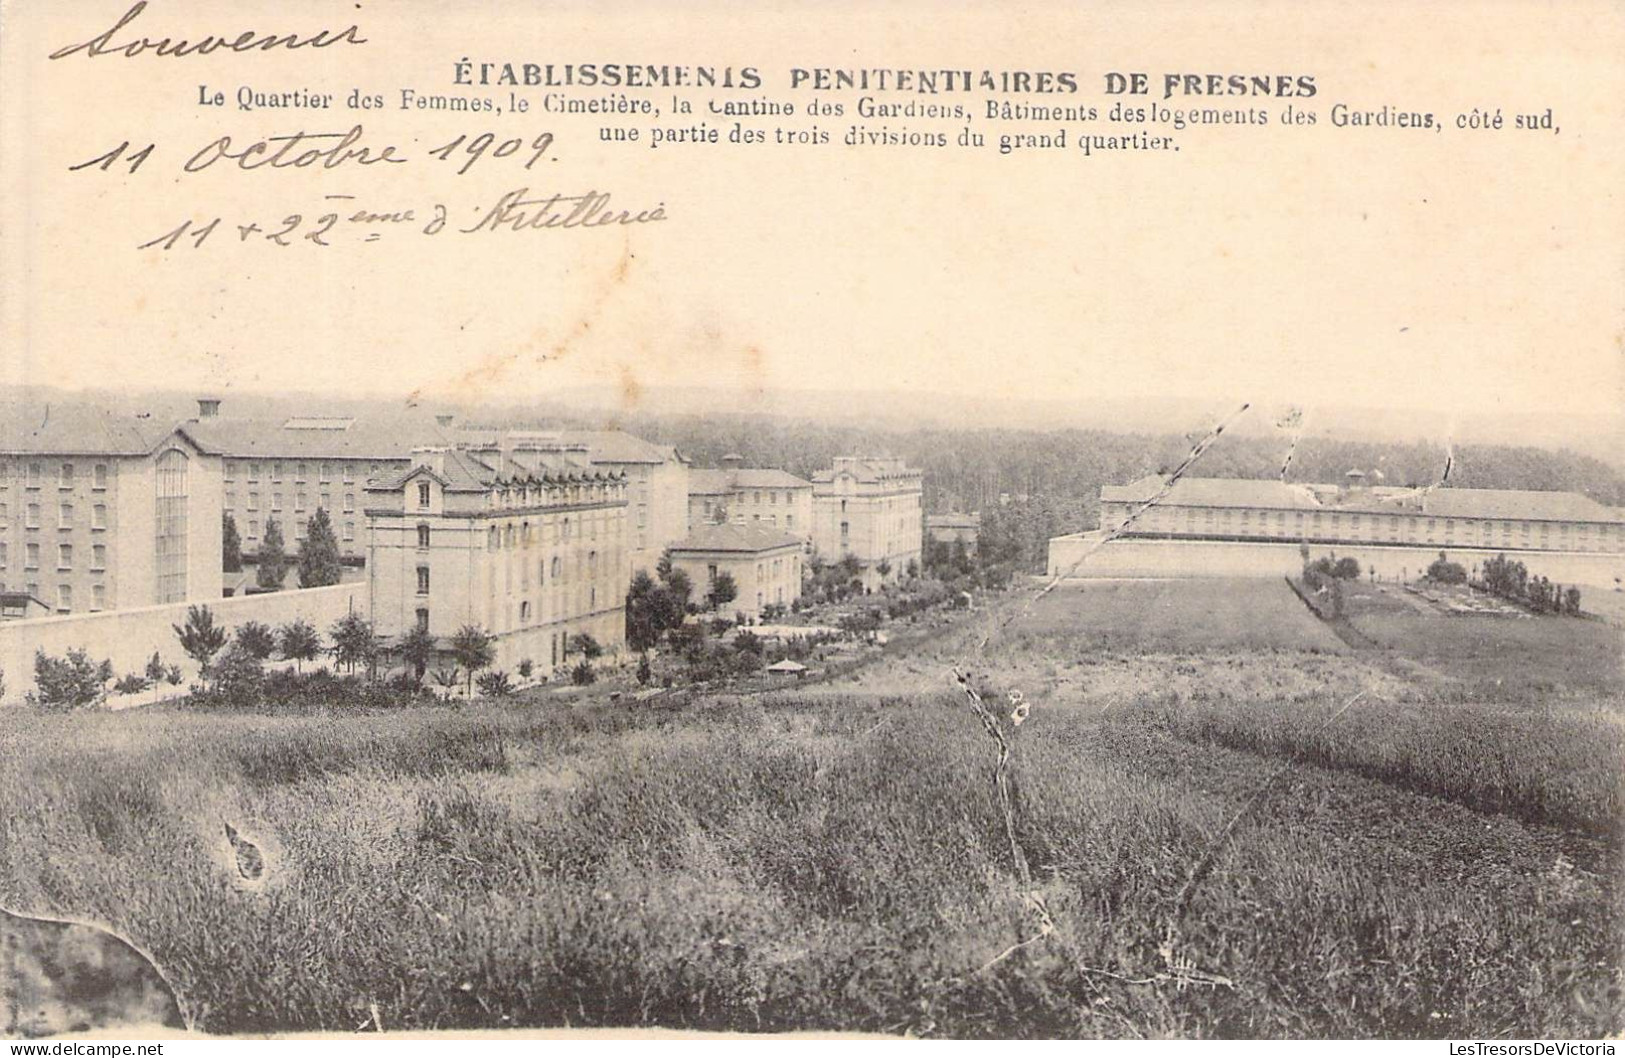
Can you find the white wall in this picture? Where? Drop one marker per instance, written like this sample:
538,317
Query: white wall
128,637
1212,558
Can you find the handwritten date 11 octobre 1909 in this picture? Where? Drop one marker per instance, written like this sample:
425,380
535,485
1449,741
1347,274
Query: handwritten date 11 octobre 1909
516,210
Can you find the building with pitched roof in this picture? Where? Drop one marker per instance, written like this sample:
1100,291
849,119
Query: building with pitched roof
1393,531
765,564
526,540
869,507
100,511
744,495
284,469
1360,513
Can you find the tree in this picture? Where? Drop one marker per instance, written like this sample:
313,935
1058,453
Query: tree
583,674
298,642
155,668
273,558
417,650
645,671
231,545
884,568
723,590
201,638
353,641
643,608
69,682
473,649
319,563
257,639
913,568
585,645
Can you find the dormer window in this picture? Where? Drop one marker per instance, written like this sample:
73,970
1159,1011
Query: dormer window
423,494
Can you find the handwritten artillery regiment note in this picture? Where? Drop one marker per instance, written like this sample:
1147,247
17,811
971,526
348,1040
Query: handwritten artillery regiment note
1082,520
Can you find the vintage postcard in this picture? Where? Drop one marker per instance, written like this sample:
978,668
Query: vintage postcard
1062,520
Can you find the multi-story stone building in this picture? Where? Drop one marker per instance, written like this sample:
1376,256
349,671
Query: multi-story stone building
286,468
765,564
1358,513
1234,527
743,495
657,483
526,543
101,511
868,507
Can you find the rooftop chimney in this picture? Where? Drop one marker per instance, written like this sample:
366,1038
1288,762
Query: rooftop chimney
208,407
433,458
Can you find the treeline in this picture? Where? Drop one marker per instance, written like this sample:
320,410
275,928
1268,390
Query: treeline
1031,485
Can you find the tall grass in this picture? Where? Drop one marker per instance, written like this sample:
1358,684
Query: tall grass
779,864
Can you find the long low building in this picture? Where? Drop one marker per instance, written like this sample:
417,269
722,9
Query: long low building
1395,527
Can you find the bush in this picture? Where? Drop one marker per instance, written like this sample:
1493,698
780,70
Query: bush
70,682
583,674
1446,572
645,673
134,683
237,674
526,667
494,684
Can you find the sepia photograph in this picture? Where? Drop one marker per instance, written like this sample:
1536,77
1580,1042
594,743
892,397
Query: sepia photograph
904,521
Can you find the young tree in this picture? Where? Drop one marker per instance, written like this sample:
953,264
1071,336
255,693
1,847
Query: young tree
680,589
69,682
472,648
353,642
298,642
201,638
319,563
257,639
417,650
231,545
723,591
273,558
642,613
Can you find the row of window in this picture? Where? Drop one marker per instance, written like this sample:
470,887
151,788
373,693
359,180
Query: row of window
64,516
64,556
300,525
275,469
1374,525
557,570
301,501
528,496
67,475
64,596
525,534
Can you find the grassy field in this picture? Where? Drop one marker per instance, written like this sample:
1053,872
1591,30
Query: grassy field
833,856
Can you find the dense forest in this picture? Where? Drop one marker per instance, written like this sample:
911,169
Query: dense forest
1031,485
